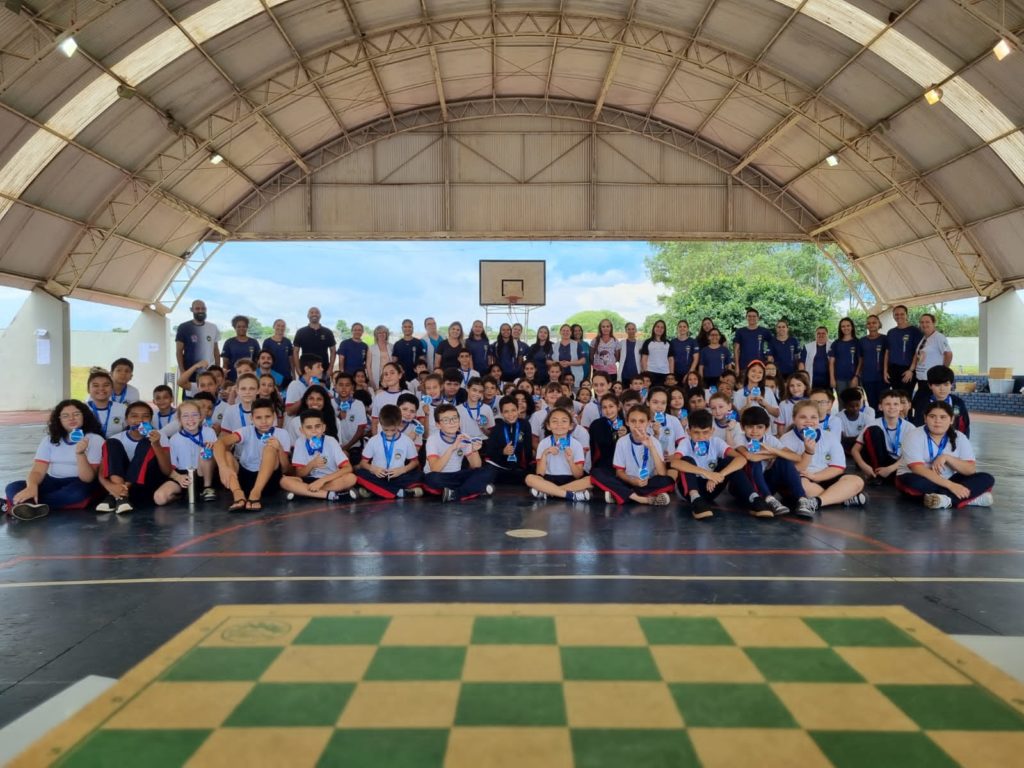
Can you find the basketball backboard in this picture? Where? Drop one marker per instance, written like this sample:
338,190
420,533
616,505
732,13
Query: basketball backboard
519,282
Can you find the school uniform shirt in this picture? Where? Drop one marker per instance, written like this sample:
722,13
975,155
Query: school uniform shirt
743,395
715,361
437,445
591,412
769,441
234,417
331,450
606,353
830,423
894,437
854,427
754,344
828,453
730,434
872,353
583,437
902,344
198,340
111,418
470,418
683,352
383,397
785,417
503,434
296,389
355,353
718,450
629,456
161,420
629,358
407,352
220,408
920,448
402,451
670,434
185,451
61,460
249,448
931,351
478,348
234,349
537,420
128,395
350,419
845,354
787,354
129,445
466,376
281,351
409,430
558,464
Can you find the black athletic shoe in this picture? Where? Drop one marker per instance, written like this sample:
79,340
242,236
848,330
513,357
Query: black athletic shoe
759,508
109,504
30,511
701,509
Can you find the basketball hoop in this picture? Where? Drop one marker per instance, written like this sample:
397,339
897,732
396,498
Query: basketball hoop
513,299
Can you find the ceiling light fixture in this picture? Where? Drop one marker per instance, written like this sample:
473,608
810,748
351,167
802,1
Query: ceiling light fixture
933,95
1003,49
67,44
216,158
832,161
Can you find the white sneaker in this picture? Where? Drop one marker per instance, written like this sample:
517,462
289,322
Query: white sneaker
776,506
290,496
538,494
857,500
414,492
122,505
575,496
352,494
661,500
489,490
608,498
985,500
109,504
937,501
448,495
363,493
807,507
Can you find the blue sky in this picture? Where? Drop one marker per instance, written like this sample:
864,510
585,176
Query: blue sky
383,282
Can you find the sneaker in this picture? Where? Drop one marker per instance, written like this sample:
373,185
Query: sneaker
538,494
109,504
352,494
489,490
608,498
937,501
363,493
759,508
209,494
661,500
985,500
808,507
701,509
857,500
415,492
448,495
776,506
333,496
122,505
575,496
290,496
28,510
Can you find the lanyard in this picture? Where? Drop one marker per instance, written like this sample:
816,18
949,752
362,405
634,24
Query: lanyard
476,416
242,412
644,472
196,438
314,446
263,436
389,449
96,411
512,438
160,419
466,376
933,455
825,423
894,446
122,397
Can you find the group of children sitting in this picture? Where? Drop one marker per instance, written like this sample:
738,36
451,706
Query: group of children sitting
458,435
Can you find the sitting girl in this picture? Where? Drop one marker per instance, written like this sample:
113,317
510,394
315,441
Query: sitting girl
560,460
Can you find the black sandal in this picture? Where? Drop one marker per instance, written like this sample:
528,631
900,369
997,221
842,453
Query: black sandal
254,505
238,505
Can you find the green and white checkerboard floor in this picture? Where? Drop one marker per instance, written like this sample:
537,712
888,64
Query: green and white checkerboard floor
592,686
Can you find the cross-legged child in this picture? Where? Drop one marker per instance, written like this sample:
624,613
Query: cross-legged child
191,452
258,461
390,467
940,389
605,431
551,394
878,449
938,464
638,466
476,418
509,447
322,470
796,390
351,417
560,460
134,467
64,466
700,461
822,463
755,391
239,414
457,471
725,424
854,417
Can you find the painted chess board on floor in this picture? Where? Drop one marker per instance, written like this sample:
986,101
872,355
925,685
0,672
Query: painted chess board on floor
592,686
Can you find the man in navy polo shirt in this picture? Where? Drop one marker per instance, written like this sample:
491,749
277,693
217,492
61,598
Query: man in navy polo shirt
751,343
314,339
197,340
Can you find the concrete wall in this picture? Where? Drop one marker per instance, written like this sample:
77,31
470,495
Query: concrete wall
1001,320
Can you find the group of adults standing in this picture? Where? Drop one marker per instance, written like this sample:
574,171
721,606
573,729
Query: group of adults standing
900,357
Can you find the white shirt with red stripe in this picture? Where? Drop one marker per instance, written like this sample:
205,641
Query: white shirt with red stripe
249,448
827,453
916,451
61,459
331,451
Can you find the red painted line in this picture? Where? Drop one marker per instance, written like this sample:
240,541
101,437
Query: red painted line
849,534
12,562
241,526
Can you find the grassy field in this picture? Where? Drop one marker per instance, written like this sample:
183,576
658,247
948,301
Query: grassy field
78,376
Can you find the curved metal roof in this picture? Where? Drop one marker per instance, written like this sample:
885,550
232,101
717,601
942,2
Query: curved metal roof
509,118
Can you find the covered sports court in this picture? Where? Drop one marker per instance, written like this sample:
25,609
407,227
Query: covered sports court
137,137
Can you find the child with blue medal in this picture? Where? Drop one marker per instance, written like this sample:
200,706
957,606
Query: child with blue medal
457,471
638,465
508,449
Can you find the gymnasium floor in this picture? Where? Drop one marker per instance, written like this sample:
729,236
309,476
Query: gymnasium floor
85,594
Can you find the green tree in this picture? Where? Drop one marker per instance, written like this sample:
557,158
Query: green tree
726,298
343,329
257,330
589,318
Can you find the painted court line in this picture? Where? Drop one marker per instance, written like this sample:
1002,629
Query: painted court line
575,577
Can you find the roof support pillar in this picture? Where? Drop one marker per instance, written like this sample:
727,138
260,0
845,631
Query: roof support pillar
999,346
147,345
38,346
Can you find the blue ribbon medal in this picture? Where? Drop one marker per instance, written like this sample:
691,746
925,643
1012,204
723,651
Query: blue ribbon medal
76,435
145,428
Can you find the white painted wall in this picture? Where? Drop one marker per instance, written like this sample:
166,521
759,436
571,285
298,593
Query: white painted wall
34,354
1001,320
